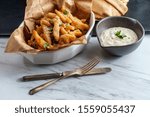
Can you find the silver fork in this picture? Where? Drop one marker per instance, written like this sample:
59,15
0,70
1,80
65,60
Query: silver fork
78,71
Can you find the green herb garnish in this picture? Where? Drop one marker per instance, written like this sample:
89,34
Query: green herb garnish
65,12
118,34
46,45
51,29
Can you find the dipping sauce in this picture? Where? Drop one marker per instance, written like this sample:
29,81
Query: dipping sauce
118,36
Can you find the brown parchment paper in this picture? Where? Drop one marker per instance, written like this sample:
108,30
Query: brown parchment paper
105,8
35,9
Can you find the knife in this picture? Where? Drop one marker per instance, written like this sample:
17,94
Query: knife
57,75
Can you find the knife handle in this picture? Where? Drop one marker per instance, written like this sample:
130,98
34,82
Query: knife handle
41,77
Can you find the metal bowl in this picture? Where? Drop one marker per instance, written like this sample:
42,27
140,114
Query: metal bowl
51,57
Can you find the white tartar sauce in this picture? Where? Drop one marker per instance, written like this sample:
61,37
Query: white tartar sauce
118,36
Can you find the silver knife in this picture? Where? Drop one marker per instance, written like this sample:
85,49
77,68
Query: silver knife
57,75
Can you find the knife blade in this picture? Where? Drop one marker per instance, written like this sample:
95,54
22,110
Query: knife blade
94,71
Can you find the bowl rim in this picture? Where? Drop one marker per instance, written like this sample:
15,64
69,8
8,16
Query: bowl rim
122,17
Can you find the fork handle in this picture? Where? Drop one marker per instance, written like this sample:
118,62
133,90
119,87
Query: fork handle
43,86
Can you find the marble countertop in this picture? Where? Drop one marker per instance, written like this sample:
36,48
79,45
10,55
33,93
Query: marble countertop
129,79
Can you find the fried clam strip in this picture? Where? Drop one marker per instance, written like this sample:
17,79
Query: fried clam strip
32,42
67,38
46,34
63,16
68,27
51,15
40,41
77,33
63,31
78,23
45,22
56,28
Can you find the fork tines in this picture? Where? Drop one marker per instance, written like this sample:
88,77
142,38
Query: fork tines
90,65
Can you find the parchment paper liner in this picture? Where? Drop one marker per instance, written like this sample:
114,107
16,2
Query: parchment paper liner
36,9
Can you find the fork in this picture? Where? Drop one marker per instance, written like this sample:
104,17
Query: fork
78,71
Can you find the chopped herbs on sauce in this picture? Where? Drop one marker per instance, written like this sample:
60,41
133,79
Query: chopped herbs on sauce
118,34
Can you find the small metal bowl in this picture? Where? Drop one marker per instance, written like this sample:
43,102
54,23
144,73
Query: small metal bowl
120,21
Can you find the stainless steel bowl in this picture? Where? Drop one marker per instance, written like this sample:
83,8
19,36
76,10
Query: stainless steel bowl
60,55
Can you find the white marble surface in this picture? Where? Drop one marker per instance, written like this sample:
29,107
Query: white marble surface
130,78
